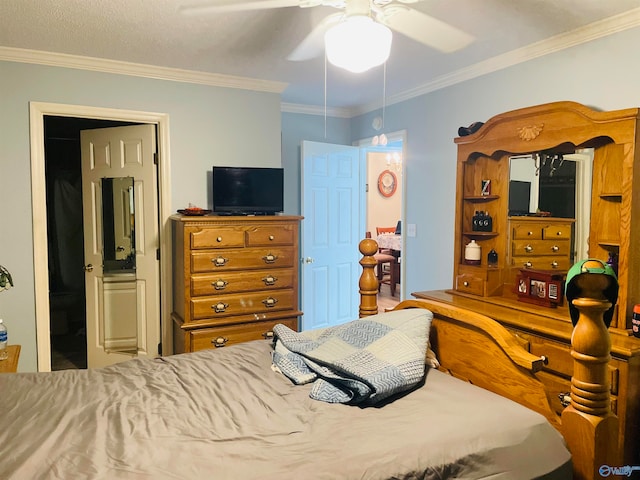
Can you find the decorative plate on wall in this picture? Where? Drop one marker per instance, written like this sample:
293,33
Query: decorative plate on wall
387,183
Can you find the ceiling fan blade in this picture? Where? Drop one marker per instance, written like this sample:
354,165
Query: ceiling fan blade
424,29
313,44
225,6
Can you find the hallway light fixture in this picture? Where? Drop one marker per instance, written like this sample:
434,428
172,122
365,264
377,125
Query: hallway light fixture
358,43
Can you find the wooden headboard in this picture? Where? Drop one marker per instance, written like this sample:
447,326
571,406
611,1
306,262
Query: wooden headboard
477,349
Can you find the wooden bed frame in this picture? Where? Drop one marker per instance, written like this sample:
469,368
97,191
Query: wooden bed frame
478,349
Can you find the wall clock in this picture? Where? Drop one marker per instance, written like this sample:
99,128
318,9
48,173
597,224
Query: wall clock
387,183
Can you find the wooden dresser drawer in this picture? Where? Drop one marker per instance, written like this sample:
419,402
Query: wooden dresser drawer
227,305
526,231
234,282
470,284
542,262
242,259
562,232
558,355
216,337
216,237
271,235
540,247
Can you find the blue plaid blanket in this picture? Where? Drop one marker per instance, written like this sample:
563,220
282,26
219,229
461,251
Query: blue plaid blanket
361,362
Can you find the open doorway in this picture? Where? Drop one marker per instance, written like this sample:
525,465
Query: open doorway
63,179
160,122
385,178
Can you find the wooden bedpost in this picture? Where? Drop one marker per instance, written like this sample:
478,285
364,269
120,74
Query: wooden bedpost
368,281
588,425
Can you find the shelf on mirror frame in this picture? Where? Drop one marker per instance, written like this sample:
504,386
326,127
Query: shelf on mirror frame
480,235
606,244
480,198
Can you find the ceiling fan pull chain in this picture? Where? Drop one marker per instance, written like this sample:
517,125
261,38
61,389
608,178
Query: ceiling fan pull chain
325,95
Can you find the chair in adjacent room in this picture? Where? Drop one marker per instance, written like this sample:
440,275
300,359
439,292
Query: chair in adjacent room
387,269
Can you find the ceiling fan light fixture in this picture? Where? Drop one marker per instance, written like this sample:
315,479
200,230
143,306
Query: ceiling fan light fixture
358,44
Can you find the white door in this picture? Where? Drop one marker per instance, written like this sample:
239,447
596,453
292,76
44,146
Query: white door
123,310
332,192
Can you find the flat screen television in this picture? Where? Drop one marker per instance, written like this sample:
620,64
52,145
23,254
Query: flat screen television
519,197
247,190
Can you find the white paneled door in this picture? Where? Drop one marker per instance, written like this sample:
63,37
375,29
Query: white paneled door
123,308
332,192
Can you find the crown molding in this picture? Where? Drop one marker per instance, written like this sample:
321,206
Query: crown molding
316,110
138,70
593,31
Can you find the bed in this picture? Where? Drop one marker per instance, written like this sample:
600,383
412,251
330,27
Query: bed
228,413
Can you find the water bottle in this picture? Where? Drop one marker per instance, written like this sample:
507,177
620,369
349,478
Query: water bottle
3,341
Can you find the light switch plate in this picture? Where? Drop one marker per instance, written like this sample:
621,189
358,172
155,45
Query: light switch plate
411,230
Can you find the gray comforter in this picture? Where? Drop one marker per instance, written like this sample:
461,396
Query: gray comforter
225,414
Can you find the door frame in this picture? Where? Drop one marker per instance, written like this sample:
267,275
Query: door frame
366,146
37,112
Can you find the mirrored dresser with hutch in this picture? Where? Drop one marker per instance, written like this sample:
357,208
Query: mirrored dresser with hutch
536,242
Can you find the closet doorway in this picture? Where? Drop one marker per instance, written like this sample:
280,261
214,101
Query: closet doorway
67,296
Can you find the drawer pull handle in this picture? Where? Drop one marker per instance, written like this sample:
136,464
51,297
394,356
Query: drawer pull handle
270,258
270,280
268,335
219,239
559,233
219,284
219,307
565,398
465,283
271,237
219,341
270,302
219,261
555,248
528,249
554,264
528,265
529,233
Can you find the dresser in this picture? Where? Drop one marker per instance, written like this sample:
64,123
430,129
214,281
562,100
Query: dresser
606,225
234,278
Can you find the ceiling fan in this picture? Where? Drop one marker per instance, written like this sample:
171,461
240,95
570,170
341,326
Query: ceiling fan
379,14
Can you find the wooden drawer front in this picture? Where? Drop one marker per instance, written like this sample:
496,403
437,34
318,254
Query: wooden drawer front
524,231
470,284
542,263
216,237
242,259
540,247
557,231
223,336
558,355
271,235
224,306
227,282
555,386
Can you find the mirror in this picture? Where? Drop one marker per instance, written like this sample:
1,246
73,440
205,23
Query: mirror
118,225
557,185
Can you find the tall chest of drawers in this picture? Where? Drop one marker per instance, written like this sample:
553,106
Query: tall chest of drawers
234,278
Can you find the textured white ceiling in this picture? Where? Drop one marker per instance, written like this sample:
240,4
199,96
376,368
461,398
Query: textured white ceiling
256,44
